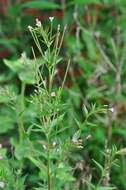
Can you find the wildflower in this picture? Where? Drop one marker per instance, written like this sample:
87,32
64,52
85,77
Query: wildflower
23,55
35,91
51,19
75,15
65,27
30,28
88,137
108,151
38,22
56,71
54,143
1,157
97,34
53,94
77,142
111,109
58,150
74,139
2,184
58,28
44,146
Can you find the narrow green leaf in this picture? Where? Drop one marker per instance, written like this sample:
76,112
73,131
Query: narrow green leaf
84,2
41,5
99,165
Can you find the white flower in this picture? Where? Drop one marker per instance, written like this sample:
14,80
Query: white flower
97,34
58,149
23,55
112,109
0,145
51,19
74,139
65,27
58,28
56,71
53,94
38,22
30,28
2,184
44,146
35,91
1,157
108,151
88,137
54,143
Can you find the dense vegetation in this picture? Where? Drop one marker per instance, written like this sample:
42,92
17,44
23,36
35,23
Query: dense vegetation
62,94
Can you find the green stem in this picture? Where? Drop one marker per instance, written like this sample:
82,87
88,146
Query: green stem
22,95
21,123
48,167
50,81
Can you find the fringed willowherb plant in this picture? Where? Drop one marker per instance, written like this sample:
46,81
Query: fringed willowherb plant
43,137
51,151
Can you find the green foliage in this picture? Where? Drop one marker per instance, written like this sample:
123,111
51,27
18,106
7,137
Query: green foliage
25,68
